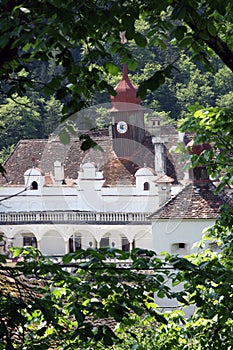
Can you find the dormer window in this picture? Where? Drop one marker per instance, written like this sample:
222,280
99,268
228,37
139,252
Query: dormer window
34,185
146,186
35,178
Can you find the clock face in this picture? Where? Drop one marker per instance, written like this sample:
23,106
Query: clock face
122,127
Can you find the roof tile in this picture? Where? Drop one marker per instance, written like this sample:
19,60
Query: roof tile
193,203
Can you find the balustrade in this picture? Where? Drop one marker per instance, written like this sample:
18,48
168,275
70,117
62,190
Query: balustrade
71,217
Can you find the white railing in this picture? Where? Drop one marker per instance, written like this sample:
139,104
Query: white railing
71,217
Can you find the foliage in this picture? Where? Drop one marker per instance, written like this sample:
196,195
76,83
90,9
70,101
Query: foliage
88,301
103,118
213,126
21,118
58,309
48,30
5,153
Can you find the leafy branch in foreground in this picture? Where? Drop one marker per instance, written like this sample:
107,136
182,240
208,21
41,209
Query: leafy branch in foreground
90,301
79,308
213,127
85,46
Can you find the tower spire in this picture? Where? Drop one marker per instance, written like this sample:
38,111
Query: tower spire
126,91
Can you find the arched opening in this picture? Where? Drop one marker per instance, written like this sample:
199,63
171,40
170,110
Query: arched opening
29,240
34,185
146,186
3,247
125,245
75,243
52,243
104,242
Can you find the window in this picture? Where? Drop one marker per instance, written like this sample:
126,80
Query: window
182,245
125,245
146,186
34,185
75,243
30,240
180,248
214,247
104,242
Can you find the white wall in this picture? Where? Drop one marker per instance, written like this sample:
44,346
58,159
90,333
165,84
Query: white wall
120,199
166,236
52,243
166,232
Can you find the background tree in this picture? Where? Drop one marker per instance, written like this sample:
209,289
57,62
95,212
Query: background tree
33,31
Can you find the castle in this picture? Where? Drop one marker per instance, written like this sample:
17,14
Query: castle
127,191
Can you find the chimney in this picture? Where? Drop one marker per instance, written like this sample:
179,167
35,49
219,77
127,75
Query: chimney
198,174
58,172
160,155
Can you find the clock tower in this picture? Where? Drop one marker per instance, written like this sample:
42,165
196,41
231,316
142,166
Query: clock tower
128,127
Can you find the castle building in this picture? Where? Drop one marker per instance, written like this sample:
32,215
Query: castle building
60,198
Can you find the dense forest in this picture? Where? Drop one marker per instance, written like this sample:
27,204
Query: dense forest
35,115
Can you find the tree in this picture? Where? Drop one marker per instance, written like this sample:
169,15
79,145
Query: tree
28,117
19,119
50,29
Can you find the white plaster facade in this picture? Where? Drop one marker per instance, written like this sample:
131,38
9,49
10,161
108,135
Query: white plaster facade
52,217
178,226
178,236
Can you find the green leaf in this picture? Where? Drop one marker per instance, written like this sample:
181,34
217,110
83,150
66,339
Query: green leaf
60,93
111,68
64,136
156,80
212,29
132,64
160,318
179,32
67,258
142,90
140,40
79,316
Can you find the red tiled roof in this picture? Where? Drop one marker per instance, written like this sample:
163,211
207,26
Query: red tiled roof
164,179
46,152
26,154
192,203
126,92
43,154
